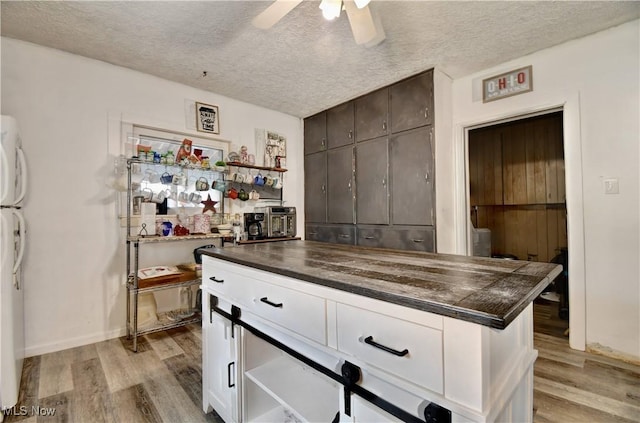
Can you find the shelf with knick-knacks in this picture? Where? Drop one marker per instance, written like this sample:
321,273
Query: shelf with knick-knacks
251,182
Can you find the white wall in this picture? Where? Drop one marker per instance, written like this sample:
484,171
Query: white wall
596,80
66,107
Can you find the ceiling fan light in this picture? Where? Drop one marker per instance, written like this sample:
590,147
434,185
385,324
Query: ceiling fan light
361,3
331,9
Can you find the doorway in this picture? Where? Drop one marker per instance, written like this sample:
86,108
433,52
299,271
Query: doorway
517,201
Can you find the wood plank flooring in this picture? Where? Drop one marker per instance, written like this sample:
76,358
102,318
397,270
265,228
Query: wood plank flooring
546,319
106,382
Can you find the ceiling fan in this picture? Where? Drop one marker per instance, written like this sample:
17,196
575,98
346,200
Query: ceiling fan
367,29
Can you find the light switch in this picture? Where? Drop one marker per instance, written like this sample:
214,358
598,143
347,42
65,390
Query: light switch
611,186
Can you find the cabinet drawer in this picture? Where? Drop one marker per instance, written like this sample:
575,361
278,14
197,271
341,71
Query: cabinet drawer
220,281
422,239
335,234
413,352
294,310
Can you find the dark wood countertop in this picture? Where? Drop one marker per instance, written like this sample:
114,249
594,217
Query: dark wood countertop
490,292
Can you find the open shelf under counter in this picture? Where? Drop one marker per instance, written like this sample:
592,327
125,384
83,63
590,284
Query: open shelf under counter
297,388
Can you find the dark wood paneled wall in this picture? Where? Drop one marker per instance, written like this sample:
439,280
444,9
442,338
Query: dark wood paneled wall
535,232
517,186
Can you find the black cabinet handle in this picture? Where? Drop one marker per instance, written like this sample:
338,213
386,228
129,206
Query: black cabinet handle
266,301
369,237
213,278
229,384
369,340
417,240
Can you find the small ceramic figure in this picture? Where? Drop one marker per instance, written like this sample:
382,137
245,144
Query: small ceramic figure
244,155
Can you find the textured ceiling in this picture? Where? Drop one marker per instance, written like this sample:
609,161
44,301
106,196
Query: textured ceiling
303,64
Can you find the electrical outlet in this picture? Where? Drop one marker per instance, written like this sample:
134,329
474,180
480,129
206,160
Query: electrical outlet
611,186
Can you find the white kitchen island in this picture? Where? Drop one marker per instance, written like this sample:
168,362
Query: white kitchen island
305,331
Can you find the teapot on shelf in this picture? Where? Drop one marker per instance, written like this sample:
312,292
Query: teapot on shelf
243,195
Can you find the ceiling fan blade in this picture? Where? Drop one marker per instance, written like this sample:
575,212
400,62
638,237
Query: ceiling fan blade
272,14
366,28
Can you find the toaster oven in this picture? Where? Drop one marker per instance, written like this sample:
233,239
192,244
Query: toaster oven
279,222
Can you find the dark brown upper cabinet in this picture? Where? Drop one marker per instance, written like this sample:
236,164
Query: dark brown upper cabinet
412,103
315,133
340,125
372,115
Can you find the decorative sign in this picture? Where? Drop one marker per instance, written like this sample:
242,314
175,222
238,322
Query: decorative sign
507,84
207,118
272,146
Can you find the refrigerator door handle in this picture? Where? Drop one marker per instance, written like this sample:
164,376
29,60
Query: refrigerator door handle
23,175
18,261
5,176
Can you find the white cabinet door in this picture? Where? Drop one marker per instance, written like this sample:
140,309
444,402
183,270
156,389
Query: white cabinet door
220,364
364,412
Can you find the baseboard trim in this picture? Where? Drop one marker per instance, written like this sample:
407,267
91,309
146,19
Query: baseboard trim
73,342
596,348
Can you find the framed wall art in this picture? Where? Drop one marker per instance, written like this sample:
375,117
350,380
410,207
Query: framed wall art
207,118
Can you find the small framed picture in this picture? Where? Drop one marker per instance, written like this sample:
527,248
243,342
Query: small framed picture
207,118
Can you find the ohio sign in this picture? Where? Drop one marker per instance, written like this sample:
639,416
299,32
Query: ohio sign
507,84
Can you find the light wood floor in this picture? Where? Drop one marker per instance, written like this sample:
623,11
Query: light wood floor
106,382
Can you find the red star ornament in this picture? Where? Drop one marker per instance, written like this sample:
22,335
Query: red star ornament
209,204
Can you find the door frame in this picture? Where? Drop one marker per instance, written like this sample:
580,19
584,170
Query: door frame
569,104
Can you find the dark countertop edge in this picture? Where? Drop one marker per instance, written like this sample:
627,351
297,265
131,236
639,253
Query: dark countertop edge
522,304
447,310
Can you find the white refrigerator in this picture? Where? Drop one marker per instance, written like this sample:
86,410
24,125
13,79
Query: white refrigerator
13,185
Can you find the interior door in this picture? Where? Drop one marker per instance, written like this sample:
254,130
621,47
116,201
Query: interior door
517,199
